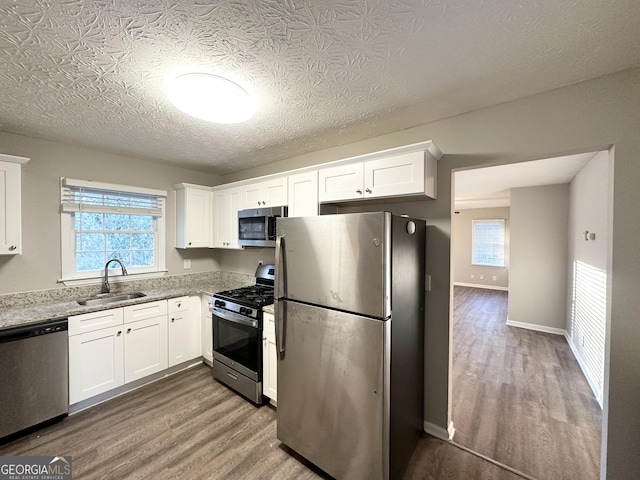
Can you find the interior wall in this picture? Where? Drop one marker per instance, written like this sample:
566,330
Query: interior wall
246,261
584,117
464,273
589,267
39,266
539,232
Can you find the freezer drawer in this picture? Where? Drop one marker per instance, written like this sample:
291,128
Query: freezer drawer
333,377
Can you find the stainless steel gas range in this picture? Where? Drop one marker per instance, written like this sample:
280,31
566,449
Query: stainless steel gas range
237,334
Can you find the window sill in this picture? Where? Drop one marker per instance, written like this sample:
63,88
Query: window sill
113,278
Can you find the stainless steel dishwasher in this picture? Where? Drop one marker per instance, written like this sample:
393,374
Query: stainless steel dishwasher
34,375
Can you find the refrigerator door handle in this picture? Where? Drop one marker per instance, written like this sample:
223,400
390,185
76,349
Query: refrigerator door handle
280,318
281,280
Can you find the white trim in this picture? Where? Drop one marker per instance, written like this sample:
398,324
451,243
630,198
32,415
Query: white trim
439,432
73,182
13,159
537,328
576,353
113,278
479,285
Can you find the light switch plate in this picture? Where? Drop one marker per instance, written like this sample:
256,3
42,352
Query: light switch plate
187,263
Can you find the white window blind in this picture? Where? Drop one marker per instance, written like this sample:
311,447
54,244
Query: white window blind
488,247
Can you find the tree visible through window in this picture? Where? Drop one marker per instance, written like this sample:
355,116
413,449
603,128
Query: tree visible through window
488,243
104,221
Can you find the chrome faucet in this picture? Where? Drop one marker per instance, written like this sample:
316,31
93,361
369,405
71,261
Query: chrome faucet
105,283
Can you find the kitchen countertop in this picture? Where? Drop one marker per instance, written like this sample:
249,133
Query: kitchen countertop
269,309
47,310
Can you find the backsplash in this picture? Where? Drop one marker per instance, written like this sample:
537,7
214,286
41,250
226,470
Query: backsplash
59,295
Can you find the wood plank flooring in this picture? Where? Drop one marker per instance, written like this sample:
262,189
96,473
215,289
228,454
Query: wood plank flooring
190,427
519,396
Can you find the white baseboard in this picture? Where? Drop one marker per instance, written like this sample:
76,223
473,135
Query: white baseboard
537,328
479,285
576,353
439,432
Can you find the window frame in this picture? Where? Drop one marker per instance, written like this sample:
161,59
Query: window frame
503,222
70,276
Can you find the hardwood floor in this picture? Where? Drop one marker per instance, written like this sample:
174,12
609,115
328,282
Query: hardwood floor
190,427
519,396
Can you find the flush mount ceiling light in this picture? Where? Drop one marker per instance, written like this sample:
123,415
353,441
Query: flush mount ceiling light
210,97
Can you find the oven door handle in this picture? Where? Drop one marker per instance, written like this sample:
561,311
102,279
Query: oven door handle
234,317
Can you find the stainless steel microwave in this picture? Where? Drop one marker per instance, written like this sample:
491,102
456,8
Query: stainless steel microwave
257,226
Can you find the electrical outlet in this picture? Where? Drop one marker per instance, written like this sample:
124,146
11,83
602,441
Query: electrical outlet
495,278
481,277
473,276
260,262
187,263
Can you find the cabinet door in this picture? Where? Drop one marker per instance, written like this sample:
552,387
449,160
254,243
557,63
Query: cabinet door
393,176
184,332
10,209
269,359
145,347
95,363
207,330
193,222
269,193
227,202
343,182
303,194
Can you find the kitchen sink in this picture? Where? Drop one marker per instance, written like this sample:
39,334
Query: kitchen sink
103,298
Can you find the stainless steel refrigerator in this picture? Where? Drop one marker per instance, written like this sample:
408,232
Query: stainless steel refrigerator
349,334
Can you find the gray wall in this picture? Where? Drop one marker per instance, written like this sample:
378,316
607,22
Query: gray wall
461,240
585,117
539,232
39,266
589,268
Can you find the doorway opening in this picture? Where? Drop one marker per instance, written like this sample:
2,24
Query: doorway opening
528,338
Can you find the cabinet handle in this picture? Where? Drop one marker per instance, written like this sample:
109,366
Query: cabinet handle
119,333
12,248
189,243
179,305
173,320
128,330
358,191
368,190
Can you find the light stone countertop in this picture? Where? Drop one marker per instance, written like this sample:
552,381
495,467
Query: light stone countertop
49,305
269,309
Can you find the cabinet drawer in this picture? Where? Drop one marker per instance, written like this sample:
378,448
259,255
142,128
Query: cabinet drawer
89,322
133,313
179,304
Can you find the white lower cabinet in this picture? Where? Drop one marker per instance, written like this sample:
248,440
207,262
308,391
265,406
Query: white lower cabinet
184,329
96,362
207,330
110,348
269,359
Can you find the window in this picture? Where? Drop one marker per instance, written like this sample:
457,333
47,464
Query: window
488,243
103,221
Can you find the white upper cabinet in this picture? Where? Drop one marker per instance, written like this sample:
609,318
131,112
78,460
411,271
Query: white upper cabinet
11,204
269,193
399,172
226,203
193,216
303,194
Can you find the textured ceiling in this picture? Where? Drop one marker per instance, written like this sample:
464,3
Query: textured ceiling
324,72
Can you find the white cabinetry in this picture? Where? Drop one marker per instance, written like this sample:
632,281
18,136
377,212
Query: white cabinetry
269,359
11,204
207,329
145,339
303,194
184,329
226,203
112,347
269,193
96,354
193,216
393,173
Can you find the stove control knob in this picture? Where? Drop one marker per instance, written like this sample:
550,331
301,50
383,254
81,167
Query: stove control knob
242,310
218,303
248,311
